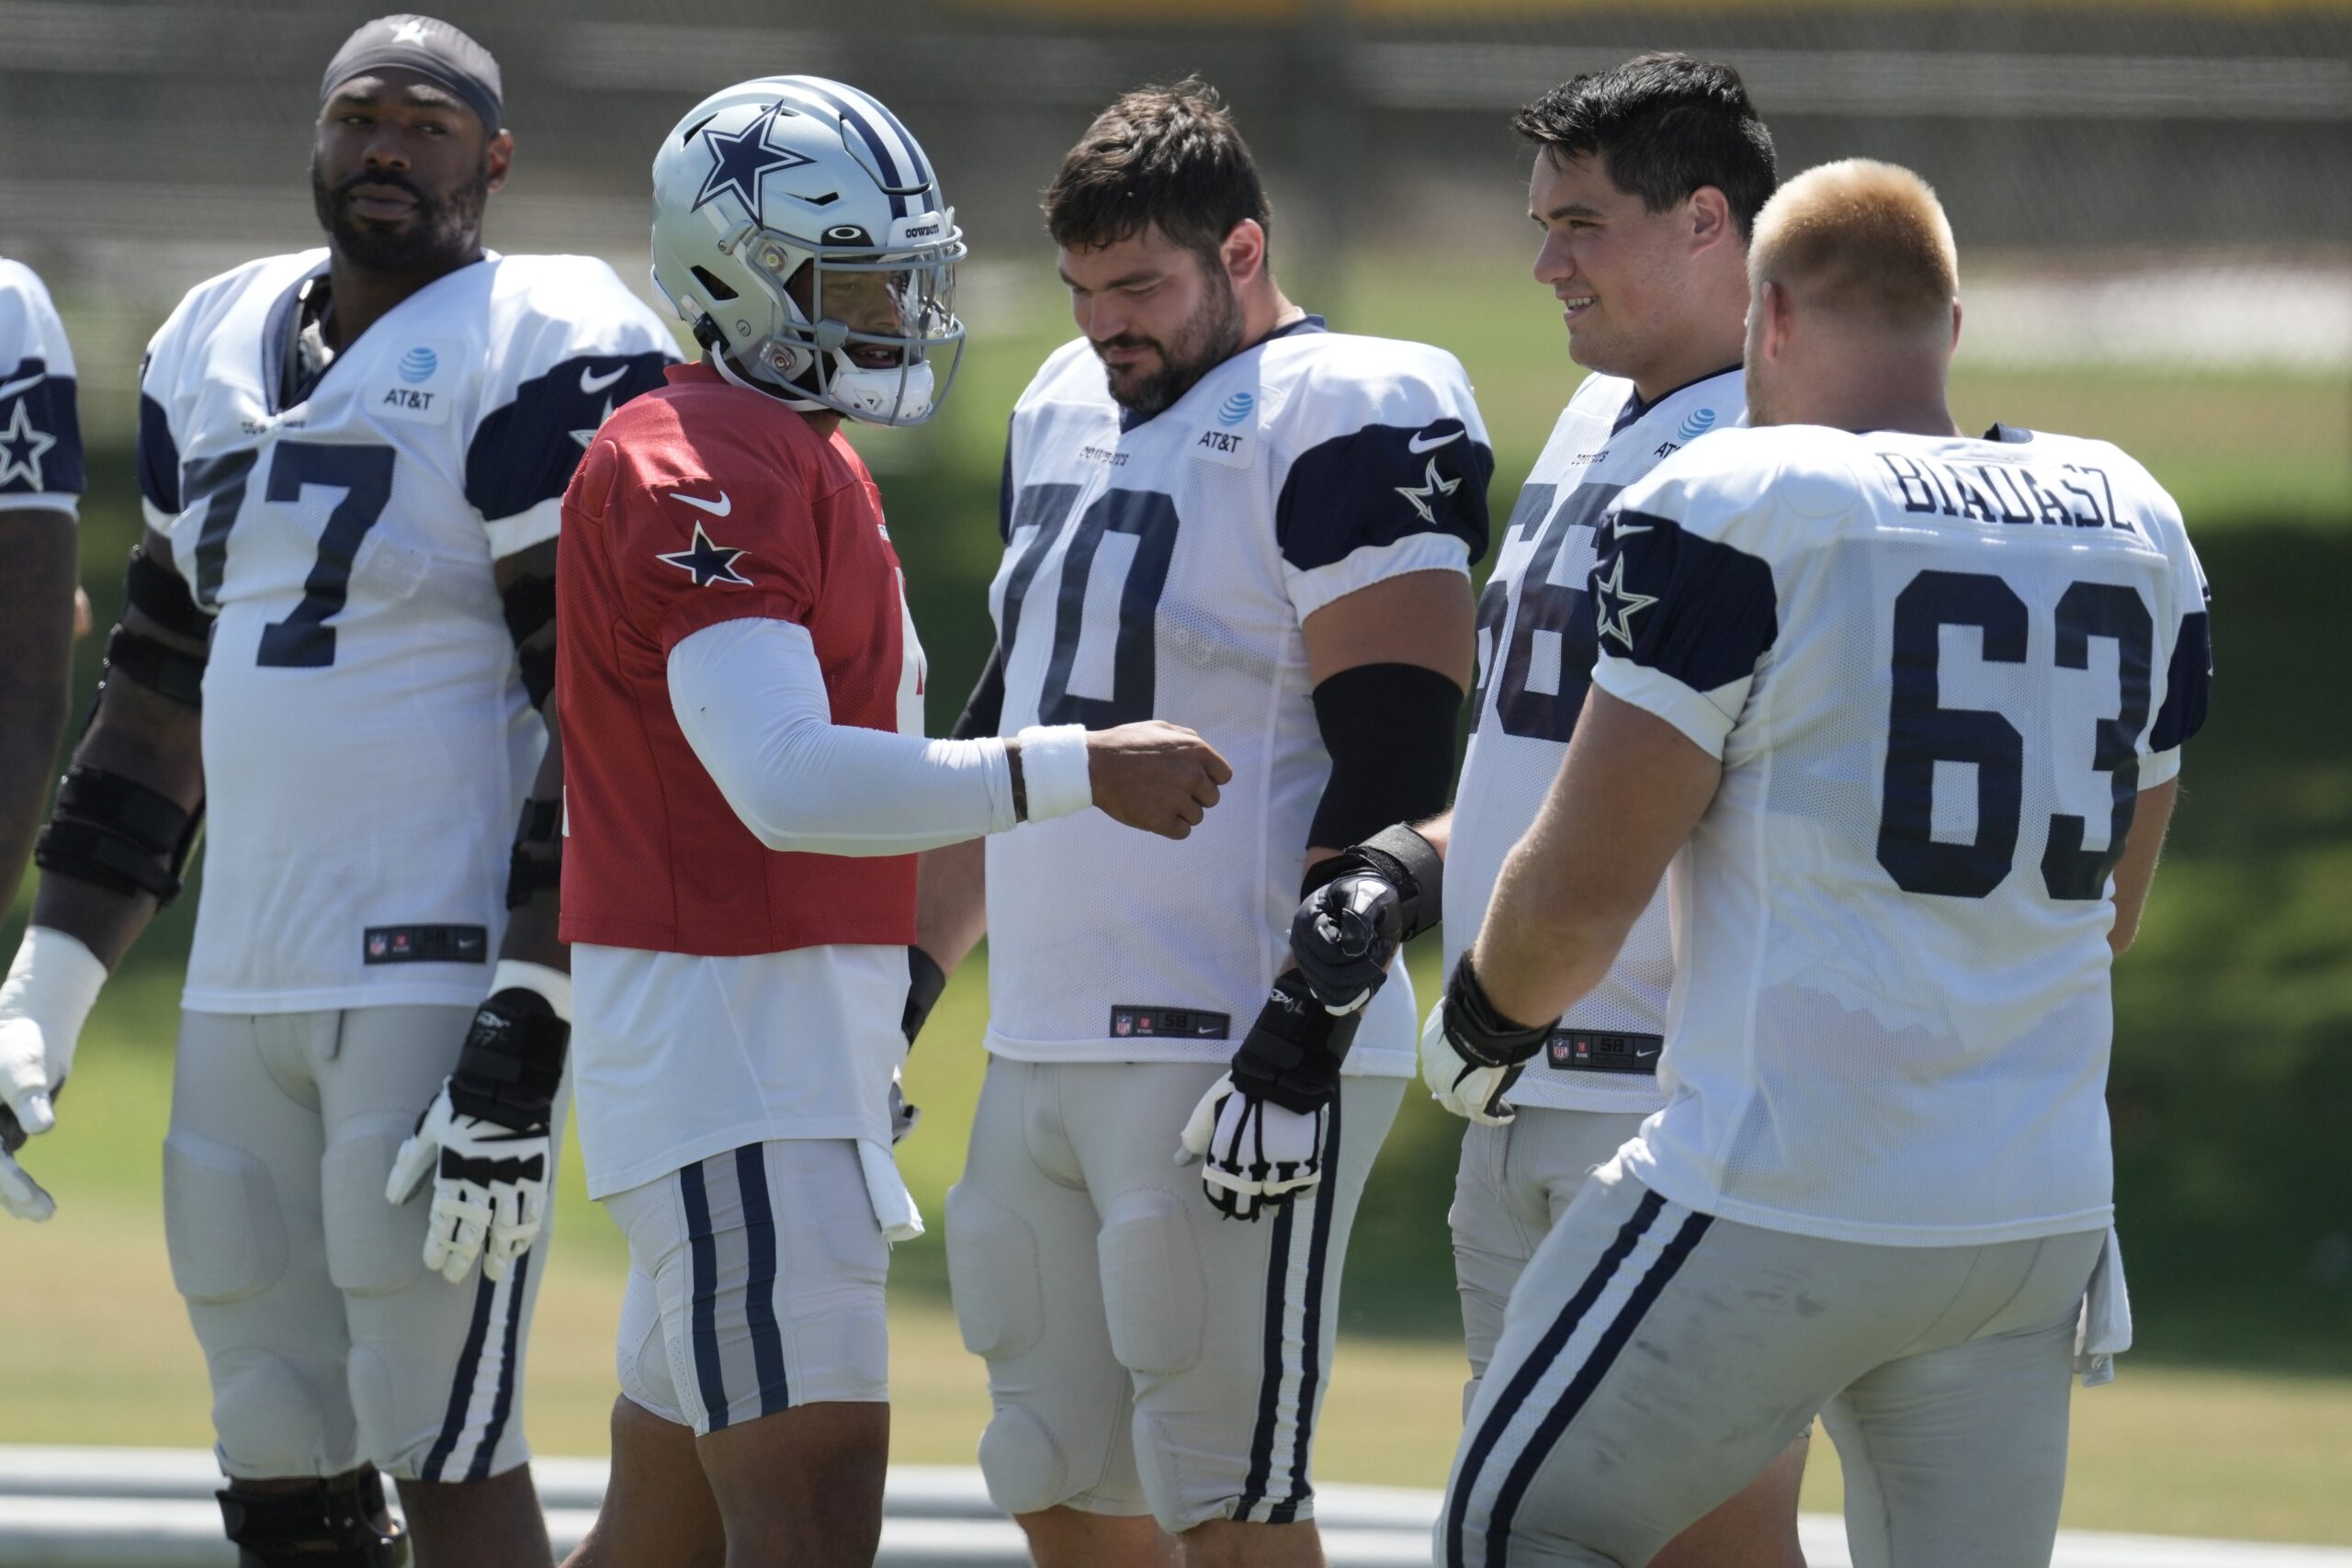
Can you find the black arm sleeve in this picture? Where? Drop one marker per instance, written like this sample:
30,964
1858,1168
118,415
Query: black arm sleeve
985,707
1389,728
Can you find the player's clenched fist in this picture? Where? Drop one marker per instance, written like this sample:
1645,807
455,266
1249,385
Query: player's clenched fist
1155,775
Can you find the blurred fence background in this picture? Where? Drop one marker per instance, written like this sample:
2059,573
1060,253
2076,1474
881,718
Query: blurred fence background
2157,247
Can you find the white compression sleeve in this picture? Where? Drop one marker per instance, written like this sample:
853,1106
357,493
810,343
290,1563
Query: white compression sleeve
750,698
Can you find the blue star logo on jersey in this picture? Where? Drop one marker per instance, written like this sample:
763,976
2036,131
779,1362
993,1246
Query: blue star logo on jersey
708,563
21,448
1619,604
739,161
1432,485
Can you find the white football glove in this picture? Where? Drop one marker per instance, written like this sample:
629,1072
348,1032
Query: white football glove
489,1187
1255,1152
1461,1084
486,1135
47,996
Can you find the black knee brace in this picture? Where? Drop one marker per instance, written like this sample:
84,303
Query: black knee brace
329,1524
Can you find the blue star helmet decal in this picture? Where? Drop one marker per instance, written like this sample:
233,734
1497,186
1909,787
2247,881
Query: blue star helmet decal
708,563
739,162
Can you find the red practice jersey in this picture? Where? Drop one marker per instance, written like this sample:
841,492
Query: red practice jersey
699,502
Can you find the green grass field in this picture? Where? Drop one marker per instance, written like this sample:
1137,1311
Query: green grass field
103,1355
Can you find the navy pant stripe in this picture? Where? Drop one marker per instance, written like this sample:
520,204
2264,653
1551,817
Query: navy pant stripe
461,1386
1310,1372
709,1377
508,1372
1270,1384
1522,1384
759,1289
1579,1389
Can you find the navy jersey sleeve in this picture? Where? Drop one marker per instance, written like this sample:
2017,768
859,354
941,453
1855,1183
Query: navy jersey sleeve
41,430
1681,621
524,451
1387,474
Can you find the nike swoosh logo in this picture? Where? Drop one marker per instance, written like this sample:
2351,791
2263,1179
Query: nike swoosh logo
591,383
1420,444
10,389
1627,530
718,508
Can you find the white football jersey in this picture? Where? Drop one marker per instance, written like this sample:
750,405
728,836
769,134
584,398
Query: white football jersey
1536,653
1162,568
366,740
41,431
1938,672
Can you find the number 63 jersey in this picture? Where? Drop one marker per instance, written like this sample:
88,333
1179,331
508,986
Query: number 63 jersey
1163,568
1938,673
366,740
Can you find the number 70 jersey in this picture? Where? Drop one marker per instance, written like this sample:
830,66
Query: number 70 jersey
1938,673
1165,568
366,740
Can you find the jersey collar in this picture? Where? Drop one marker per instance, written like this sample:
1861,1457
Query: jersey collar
1636,408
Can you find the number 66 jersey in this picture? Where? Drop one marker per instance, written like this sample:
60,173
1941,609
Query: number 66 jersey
1938,672
366,740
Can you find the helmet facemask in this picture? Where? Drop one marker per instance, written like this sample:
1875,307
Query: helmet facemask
861,327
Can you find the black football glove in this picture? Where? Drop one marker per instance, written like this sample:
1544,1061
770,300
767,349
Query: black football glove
1361,905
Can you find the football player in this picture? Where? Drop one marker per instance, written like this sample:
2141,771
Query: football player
1647,180
748,784
1915,702
40,488
1220,513
339,622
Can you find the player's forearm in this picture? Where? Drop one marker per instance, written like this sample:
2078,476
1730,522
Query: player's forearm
751,700
36,660
952,901
1541,950
1626,799
148,740
2135,872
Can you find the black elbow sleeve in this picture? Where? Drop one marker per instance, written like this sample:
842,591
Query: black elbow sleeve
529,605
1389,728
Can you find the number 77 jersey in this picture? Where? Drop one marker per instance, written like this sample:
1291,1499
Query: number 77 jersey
367,741
1938,673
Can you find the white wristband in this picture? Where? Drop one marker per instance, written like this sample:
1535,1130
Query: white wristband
552,984
1054,770
54,981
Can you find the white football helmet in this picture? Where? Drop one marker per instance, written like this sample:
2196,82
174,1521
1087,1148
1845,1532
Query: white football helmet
797,229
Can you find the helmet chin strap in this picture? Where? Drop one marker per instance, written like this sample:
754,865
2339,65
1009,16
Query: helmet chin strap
791,396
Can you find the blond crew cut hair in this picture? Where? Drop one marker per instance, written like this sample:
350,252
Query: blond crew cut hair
1862,238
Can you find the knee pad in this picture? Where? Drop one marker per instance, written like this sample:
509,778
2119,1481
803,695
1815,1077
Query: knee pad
1025,1468
329,1524
271,1416
373,1249
221,1224
993,1275
1155,1289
